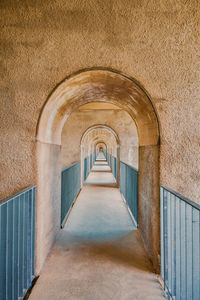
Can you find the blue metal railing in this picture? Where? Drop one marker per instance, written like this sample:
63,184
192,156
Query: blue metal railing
107,157
105,154
70,187
129,187
114,167
91,161
86,167
180,245
17,244
110,160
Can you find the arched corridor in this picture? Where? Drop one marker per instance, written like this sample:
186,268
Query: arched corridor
119,183
100,172
99,253
101,87
80,161
99,149
98,180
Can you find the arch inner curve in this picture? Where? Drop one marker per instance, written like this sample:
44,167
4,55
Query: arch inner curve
105,86
98,85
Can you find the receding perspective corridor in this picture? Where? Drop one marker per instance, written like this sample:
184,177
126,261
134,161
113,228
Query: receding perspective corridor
99,253
99,150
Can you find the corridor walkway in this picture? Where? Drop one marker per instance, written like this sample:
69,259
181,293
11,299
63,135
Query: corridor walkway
101,173
101,157
99,254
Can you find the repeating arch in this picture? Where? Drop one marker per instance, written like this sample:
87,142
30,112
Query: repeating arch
100,85
94,135
86,86
100,126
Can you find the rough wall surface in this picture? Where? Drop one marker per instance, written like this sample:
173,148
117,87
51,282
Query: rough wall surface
119,121
155,42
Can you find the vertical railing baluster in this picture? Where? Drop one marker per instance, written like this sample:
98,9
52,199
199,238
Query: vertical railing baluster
12,242
183,252
13,251
3,251
165,241
21,246
196,254
33,230
25,234
178,250
16,246
4,254
1,254
189,251
169,241
173,245
162,235
9,251
29,250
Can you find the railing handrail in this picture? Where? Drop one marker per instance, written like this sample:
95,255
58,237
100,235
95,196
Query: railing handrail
190,202
68,167
129,166
9,198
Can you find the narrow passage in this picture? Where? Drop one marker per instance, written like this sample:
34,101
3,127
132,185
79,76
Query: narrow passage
101,173
99,254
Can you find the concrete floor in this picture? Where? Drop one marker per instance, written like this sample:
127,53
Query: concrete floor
103,178
101,173
101,157
101,167
99,254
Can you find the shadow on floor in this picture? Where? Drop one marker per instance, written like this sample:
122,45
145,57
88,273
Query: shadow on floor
127,251
103,184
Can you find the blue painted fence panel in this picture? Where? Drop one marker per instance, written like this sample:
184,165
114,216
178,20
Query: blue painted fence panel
129,187
110,161
86,168
107,157
17,244
70,187
91,162
180,245
114,167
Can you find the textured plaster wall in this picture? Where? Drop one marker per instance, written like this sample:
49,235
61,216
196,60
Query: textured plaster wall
119,121
157,42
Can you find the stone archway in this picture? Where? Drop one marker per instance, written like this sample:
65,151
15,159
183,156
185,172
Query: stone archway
100,145
99,85
107,135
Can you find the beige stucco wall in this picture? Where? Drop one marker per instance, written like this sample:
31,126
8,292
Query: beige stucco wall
119,121
155,42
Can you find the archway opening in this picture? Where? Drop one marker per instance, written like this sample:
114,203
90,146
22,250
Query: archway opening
94,138
103,86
